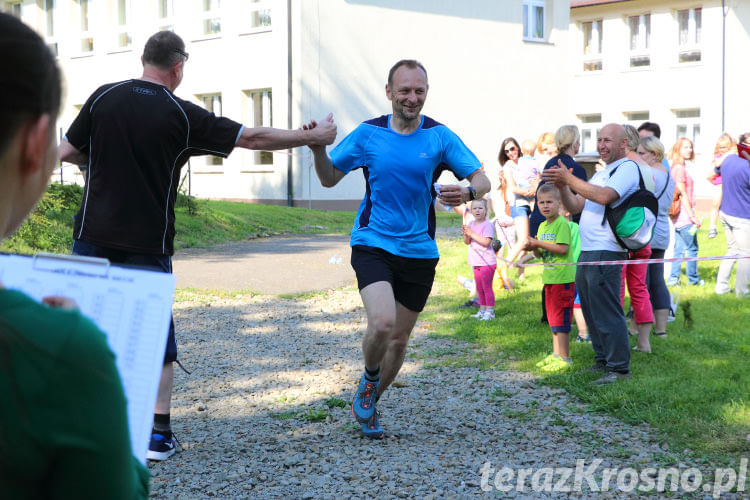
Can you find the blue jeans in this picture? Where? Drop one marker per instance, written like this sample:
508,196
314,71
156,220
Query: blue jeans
685,243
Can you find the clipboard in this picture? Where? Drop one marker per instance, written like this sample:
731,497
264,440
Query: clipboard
132,306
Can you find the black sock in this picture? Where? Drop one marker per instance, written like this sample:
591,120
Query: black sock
162,425
372,376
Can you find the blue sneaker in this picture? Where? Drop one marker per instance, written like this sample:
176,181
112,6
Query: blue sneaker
372,429
363,405
160,448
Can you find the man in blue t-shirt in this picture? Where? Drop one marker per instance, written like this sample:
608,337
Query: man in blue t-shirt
394,253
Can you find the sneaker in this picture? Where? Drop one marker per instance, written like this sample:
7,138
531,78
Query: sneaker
363,405
612,377
712,233
478,314
673,282
160,448
599,367
699,283
469,303
557,365
550,358
372,429
488,315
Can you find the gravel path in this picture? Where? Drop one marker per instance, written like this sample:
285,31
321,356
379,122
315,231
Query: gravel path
254,418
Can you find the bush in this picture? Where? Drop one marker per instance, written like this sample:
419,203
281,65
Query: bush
49,228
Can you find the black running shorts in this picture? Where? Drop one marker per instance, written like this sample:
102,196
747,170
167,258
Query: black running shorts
411,279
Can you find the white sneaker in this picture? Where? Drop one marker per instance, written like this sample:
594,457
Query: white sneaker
478,315
488,315
674,301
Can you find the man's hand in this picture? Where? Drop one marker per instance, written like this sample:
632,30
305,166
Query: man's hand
452,195
322,133
558,175
65,303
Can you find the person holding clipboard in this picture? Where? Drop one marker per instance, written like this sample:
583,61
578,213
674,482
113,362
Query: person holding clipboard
63,418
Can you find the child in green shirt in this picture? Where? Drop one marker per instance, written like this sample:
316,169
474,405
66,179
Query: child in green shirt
556,242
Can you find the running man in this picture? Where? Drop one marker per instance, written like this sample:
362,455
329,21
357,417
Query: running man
394,253
134,136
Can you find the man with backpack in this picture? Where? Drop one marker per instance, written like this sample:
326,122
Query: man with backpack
599,285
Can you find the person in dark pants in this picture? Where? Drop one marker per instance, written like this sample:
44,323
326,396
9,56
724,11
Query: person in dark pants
134,137
599,285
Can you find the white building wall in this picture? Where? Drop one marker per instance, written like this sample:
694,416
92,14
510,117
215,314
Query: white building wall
486,83
666,85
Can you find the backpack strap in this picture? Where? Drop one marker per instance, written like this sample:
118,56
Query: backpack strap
640,184
665,185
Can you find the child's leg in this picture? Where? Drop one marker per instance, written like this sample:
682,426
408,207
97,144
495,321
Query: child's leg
714,216
486,274
583,330
481,292
559,301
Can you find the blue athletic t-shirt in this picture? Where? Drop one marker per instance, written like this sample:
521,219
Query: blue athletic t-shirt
397,213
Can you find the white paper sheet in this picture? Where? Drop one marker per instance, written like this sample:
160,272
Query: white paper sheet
132,307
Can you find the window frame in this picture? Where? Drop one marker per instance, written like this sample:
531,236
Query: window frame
256,161
529,23
209,15
643,42
210,163
694,32
691,124
125,28
251,8
592,127
78,33
597,56
166,23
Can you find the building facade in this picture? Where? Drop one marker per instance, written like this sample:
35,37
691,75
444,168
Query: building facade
662,61
495,69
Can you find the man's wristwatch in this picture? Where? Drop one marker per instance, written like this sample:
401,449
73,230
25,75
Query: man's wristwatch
472,193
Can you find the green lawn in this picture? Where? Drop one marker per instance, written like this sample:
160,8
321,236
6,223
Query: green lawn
694,388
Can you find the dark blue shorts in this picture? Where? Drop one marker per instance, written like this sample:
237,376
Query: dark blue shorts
159,263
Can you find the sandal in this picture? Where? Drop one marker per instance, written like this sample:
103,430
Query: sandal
712,233
661,334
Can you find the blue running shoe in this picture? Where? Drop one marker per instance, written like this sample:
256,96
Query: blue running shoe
372,429
363,405
160,448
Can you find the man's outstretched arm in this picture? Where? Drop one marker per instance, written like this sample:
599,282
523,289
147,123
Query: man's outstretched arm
328,174
268,138
69,154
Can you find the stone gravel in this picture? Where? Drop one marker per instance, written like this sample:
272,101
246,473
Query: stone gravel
261,414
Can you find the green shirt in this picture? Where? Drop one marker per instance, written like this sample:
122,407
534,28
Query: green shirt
63,416
559,231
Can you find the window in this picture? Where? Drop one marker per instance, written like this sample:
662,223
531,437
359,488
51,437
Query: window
12,8
590,125
49,25
259,112
635,118
592,45
166,15
640,35
81,11
533,20
211,17
212,103
260,14
124,38
688,124
689,34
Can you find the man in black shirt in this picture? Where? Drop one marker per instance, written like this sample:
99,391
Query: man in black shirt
134,137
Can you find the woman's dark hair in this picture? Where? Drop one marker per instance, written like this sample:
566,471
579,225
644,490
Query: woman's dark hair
164,49
502,157
29,81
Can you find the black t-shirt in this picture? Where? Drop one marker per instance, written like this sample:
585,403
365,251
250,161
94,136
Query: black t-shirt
138,135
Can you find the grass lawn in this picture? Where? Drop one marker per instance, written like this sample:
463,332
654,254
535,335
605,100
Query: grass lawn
694,388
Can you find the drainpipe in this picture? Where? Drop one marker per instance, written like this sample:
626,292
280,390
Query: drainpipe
290,158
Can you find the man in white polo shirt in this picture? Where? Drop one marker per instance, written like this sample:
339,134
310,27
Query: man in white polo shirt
599,285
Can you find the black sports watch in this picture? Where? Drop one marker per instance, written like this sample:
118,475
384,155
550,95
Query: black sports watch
472,193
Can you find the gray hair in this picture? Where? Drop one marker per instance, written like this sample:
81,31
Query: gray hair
634,139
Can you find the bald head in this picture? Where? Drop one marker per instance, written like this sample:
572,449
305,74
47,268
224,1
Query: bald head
611,142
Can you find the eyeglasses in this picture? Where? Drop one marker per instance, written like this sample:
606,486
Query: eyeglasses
182,53
511,149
